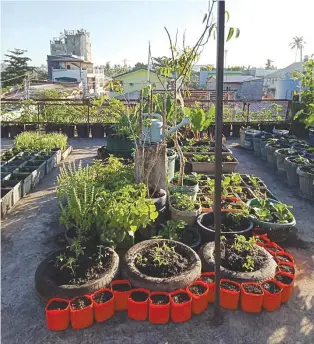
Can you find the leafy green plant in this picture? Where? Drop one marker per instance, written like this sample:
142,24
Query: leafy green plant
172,230
183,202
240,245
202,158
200,120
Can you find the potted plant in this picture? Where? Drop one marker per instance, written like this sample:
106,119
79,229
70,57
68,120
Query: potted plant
251,297
57,314
286,282
181,306
229,294
272,295
291,165
268,213
209,279
263,142
306,180
138,304
271,147
273,248
121,291
159,307
284,257
286,267
81,311
283,153
103,301
198,292
183,207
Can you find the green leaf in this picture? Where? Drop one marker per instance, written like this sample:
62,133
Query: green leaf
210,30
237,33
230,34
154,215
205,17
227,16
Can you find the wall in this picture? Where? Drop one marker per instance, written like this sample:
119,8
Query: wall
285,88
252,90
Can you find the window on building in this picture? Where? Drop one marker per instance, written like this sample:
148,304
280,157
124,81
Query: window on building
68,66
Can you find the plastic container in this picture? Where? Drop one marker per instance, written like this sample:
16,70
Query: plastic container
264,238
171,157
120,297
138,310
281,265
180,312
228,298
159,314
82,318
199,302
103,311
251,303
271,301
286,255
272,244
286,288
248,138
211,286
58,320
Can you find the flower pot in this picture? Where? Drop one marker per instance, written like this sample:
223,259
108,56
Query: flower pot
249,136
273,248
182,311
68,130
284,257
97,130
306,180
159,310
190,186
82,130
52,128
251,302
271,301
242,137
282,267
4,130
287,286
160,202
188,216
281,155
82,318
257,145
263,238
191,237
171,158
103,310
16,186
30,127
58,319
121,294
200,300
15,129
209,279
291,171
229,298
138,304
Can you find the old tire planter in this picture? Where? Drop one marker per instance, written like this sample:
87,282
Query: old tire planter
46,288
291,172
139,280
306,181
208,264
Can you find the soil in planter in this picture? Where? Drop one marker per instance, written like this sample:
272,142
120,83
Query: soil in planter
197,289
181,298
283,279
272,248
121,287
271,287
287,268
253,289
57,306
159,299
284,259
229,286
89,268
103,297
139,296
186,182
80,303
208,279
308,169
227,224
156,261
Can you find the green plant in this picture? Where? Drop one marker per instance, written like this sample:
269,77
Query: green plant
172,230
202,158
301,160
241,244
238,216
183,202
161,254
282,213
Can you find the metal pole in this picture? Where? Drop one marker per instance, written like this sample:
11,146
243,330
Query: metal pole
218,150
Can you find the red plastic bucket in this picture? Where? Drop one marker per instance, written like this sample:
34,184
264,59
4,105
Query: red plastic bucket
228,298
103,311
274,245
251,303
120,297
285,255
281,265
57,320
82,318
211,286
159,314
199,302
138,310
262,237
180,312
286,288
271,301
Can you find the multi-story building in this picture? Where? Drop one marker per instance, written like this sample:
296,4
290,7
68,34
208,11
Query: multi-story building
72,42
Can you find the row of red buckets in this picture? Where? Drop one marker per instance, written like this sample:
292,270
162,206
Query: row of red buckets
58,320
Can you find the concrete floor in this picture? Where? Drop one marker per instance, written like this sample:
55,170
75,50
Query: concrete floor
28,236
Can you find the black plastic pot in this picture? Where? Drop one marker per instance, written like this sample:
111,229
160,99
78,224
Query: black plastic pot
226,130
52,128
82,130
30,127
109,129
15,129
68,130
160,202
4,130
236,130
97,130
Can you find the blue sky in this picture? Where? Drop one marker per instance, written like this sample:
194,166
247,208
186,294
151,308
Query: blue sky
121,29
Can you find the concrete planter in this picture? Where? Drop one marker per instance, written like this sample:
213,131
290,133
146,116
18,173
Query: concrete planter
6,200
65,154
257,145
280,155
306,180
26,180
37,172
263,144
291,172
16,186
209,167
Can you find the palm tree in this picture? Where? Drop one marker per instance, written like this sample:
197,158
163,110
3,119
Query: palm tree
298,44
269,64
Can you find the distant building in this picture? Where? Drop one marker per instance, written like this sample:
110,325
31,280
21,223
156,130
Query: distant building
72,42
206,74
281,83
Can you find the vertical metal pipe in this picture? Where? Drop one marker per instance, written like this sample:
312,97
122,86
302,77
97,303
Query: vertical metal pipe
218,149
